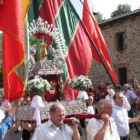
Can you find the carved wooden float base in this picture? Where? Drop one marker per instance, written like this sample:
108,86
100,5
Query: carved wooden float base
71,106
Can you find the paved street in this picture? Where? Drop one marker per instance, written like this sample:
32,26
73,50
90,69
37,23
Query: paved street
134,135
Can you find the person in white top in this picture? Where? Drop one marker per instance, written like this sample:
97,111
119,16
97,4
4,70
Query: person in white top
82,95
104,128
132,99
118,89
110,95
54,128
121,118
90,108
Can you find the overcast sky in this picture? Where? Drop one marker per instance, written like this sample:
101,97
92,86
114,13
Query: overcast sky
106,7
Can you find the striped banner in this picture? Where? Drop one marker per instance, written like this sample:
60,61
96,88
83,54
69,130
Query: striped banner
63,15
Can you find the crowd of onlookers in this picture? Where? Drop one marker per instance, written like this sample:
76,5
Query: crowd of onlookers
122,103
118,106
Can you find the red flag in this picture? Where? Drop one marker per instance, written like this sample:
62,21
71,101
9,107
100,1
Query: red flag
11,23
95,33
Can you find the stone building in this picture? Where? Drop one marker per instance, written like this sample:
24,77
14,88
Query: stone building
123,33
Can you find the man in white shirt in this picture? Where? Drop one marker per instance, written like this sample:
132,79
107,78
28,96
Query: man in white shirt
55,129
121,118
131,97
118,89
104,128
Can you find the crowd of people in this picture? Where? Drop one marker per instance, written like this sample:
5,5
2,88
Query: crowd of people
118,106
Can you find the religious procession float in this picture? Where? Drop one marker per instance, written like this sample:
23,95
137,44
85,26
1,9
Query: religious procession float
59,32
45,84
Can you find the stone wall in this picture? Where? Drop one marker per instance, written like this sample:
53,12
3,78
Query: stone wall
130,55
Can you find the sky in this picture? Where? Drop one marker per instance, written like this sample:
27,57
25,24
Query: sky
106,7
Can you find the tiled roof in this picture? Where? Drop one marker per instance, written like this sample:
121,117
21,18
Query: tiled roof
120,17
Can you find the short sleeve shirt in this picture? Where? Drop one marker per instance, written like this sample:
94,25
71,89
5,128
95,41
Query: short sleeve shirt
95,125
130,95
120,116
5,125
48,131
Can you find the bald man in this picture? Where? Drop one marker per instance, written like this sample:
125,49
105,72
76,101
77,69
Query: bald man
54,128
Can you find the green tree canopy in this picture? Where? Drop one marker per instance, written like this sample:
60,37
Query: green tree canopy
99,17
122,9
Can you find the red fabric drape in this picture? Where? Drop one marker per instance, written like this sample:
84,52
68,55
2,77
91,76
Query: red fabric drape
11,23
95,33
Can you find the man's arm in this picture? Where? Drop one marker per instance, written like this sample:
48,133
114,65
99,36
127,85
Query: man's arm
101,134
13,129
28,126
136,83
133,120
126,103
14,108
76,135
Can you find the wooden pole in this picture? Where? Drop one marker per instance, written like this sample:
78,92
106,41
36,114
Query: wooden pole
101,59
95,48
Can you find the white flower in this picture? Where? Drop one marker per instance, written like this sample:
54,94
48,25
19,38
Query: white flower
80,82
38,86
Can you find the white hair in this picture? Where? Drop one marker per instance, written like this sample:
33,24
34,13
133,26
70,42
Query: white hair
126,85
102,103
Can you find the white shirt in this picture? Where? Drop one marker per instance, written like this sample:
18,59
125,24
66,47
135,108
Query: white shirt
130,95
48,131
90,110
95,125
110,98
121,119
126,103
82,95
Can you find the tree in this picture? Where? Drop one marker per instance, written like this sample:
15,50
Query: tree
99,17
122,9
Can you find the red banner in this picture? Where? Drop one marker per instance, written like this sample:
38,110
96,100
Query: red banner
95,33
11,23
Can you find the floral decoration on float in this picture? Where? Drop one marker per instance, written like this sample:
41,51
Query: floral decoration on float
37,87
80,82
